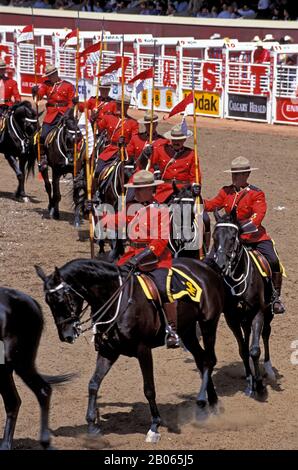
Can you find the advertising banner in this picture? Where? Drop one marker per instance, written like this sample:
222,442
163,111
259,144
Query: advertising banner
207,103
247,107
287,110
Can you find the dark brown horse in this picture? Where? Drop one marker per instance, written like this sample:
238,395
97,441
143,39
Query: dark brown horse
21,324
17,142
128,324
248,296
59,149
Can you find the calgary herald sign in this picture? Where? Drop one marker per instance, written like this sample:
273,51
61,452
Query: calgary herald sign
247,107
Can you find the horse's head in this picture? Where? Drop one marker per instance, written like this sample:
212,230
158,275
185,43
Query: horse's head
65,304
227,244
26,117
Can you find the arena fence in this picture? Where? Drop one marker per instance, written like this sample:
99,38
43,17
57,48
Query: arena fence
229,80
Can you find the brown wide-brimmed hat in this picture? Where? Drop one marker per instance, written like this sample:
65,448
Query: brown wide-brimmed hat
143,179
49,70
3,64
146,119
240,165
176,133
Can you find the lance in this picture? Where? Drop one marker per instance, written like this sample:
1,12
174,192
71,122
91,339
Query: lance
198,202
75,157
88,174
36,97
152,102
122,156
97,96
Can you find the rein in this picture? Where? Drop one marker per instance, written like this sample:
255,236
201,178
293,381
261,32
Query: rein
242,279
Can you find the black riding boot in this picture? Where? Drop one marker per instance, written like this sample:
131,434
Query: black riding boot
207,240
172,339
43,164
277,305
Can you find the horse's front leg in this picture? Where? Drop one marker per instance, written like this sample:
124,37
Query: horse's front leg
266,335
14,164
146,364
54,212
48,187
255,351
21,188
103,365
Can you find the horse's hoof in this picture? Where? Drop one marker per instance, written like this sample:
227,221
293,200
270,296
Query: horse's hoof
201,403
152,437
94,430
56,215
269,372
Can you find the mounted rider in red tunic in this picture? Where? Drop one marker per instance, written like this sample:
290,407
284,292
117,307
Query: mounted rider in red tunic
59,94
9,92
105,104
112,123
148,228
251,206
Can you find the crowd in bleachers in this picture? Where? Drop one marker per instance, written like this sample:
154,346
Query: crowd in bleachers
258,9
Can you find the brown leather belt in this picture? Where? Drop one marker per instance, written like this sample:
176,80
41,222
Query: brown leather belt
176,181
58,105
138,244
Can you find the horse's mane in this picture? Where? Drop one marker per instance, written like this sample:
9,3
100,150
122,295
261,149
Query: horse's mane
98,268
25,103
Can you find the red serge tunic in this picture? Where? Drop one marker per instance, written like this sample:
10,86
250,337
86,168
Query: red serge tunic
182,169
250,206
148,227
139,141
10,91
61,93
103,107
112,124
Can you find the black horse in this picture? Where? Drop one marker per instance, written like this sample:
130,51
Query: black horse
21,324
128,324
59,149
248,298
17,142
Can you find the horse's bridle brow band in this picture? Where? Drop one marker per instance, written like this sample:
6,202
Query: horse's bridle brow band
59,287
226,224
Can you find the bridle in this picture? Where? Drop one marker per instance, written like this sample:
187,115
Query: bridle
95,318
17,131
237,251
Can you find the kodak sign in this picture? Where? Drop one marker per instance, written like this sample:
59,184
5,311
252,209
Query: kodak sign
206,103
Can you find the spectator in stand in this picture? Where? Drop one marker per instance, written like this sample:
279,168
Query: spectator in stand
256,39
288,39
203,13
181,6
171,10
194,6
263,9
246,12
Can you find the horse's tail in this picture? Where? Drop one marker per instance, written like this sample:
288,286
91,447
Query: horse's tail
31,160
59,379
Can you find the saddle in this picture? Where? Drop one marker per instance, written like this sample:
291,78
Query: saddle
50,137
261,263
149,288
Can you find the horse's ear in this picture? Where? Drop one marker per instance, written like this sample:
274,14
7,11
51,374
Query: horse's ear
40,272
233,215
57,275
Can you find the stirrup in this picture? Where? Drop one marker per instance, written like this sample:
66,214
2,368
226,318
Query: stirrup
172,339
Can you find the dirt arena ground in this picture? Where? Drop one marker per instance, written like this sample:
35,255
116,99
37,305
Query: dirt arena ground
28,237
